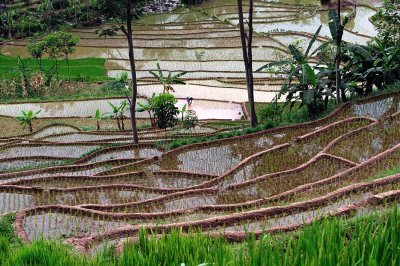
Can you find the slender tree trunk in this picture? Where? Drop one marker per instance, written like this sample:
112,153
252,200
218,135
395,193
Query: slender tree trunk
30,127
56,67
122,122
247,42
40,64
98,124
132,102
69,75
338,60
118,123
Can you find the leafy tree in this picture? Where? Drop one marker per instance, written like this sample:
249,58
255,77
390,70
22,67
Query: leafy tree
37,50
122,13
47,9
337,28
247,42
165,110
68,43
8,19
27,118
53,46
387,22
58,44
370,66
166,81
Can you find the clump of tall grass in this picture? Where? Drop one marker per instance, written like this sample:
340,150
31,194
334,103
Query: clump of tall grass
365,240
370,240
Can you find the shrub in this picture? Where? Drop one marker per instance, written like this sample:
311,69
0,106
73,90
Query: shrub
270,112
190,120
165,111
116,86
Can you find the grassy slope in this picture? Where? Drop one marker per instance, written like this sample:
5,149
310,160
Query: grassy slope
91,68
372,239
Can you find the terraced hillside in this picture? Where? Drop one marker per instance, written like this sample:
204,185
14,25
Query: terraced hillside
270,181
202,39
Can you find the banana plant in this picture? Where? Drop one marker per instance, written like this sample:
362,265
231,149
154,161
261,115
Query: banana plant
118,113
98,117
166,81
27,118
370,66
303,83
23,69
149,108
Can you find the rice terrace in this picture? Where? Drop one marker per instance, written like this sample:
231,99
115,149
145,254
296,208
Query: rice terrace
200,132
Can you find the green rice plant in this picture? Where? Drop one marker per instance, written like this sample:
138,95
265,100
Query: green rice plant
93,68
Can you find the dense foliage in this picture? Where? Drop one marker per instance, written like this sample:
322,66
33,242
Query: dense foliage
165,111
371,240
32,18
363,68
387,22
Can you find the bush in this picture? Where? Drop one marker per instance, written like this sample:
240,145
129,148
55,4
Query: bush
270,111
116,86
165,111
190,120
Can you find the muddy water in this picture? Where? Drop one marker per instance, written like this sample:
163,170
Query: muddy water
61,109
278,184
11,202
57,129
216,159
288,157
45,150
9,165
58,225
156,180
77,137
183,35
129,154
203,109
374,141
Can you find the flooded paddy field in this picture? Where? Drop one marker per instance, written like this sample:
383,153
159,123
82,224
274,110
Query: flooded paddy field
199,39
88,186
277,178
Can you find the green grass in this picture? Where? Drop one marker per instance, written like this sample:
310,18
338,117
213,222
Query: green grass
385,173
91,69
372,239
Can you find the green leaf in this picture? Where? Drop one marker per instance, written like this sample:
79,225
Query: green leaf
358,49
314,38
308,96
335,27
274,64
160,71
309,76
296,54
